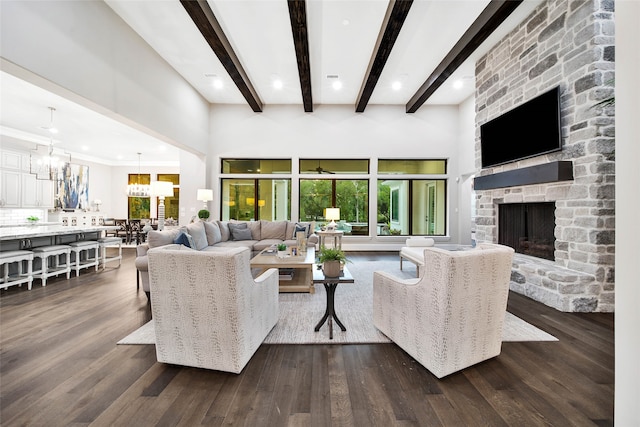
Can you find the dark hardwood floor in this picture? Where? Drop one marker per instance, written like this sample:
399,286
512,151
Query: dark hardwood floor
60,366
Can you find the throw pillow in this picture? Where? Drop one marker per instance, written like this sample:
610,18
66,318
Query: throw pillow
301,227
197,231
185,239
224,230
161,238
241,234
236,226
213,232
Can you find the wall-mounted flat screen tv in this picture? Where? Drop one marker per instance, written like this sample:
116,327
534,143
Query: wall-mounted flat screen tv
529,130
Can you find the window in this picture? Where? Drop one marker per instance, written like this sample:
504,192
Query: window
171,204
256,166
412,207
351,196
412,166
255,199
139,207
334,166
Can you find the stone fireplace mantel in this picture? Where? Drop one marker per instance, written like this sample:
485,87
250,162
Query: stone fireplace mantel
557,171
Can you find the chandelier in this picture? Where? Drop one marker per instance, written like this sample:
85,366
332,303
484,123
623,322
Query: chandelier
45,162
138,189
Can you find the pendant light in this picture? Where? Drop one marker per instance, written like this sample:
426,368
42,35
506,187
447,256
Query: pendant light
45,162
138,189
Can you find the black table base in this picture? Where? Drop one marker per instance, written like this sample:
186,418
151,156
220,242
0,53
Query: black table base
330,312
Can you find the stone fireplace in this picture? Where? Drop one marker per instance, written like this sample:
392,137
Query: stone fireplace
568,44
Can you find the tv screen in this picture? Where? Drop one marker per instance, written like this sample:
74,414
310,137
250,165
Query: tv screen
530,129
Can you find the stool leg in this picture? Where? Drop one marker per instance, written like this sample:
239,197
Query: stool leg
68,259
45,270
29,273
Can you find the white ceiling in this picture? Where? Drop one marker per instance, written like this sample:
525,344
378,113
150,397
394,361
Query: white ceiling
342,35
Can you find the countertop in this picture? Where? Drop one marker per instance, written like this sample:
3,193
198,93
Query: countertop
32,231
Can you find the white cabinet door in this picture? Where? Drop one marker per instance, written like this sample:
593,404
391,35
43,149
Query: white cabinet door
10,189
36,193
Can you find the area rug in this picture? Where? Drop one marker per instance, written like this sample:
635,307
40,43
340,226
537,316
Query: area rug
300,312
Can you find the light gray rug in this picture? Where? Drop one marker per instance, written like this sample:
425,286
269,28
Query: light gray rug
299,313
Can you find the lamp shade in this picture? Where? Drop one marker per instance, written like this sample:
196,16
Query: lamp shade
204,194
162,189
332,214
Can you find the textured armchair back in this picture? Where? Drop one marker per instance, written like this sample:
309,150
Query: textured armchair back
208,310
451,317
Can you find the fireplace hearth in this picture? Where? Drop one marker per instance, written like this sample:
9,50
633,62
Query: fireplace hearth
528,228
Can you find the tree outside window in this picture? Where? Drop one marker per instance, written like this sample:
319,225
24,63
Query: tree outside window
351,196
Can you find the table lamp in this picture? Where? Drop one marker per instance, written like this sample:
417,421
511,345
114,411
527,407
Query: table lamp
204,195
332,214
161,189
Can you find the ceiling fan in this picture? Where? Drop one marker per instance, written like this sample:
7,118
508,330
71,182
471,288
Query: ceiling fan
321,170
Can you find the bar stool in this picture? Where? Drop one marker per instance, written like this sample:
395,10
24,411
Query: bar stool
55,251
77,248
9,257
109,242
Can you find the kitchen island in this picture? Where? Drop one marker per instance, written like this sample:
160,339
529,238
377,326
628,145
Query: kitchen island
33,236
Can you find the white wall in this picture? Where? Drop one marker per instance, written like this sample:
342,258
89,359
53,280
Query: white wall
85,52
336,131
627,316
193,176
466,160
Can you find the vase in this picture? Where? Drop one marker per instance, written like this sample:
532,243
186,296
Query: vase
331,268
281,254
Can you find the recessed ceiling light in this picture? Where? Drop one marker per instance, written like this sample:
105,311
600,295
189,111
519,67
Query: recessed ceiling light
458,84
277,84
345,22
396,85
218,84
337,85
85,148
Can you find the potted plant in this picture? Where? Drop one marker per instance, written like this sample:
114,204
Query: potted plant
331,259
33,219
282,250
203,214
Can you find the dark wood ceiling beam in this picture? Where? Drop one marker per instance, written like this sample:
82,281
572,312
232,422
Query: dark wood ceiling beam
490,19
397,12
206,22
298,17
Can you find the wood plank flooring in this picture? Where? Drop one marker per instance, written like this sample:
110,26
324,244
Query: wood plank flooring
60,366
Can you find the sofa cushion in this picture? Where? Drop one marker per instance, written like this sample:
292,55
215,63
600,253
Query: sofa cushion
273,230
256,232
161,238
213,232
224,230
196,230
420,242
235,225
237,244
266,243
185,239
241,234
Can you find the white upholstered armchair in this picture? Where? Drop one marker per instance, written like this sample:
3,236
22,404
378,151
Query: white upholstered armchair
208,310
452,316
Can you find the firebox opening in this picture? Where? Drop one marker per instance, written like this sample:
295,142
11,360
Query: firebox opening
528,228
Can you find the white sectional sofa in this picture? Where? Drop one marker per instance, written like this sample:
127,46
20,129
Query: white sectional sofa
219,235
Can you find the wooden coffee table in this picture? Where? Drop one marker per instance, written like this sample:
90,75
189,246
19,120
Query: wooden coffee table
301,266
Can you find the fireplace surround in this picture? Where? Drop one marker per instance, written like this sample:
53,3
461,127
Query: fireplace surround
571,45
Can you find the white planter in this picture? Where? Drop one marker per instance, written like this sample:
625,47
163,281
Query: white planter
331,268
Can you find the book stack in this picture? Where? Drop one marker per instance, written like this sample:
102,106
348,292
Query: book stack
286,273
